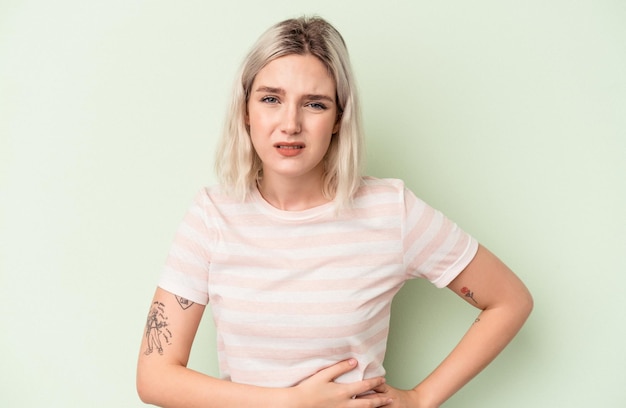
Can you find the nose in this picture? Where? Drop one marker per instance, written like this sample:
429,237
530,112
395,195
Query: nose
291,121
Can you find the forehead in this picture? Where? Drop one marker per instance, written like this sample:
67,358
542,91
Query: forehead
296,73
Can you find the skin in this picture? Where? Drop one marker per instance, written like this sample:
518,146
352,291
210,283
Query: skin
164,379
505,303
292,103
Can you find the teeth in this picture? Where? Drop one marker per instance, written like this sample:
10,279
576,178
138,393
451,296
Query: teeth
289,147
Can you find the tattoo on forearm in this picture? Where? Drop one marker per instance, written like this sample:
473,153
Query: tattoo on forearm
468,293
184,303
157,332
477,320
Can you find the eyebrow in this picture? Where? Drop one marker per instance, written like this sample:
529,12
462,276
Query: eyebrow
280,91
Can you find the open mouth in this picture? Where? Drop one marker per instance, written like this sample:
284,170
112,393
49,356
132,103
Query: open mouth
293,146
289,147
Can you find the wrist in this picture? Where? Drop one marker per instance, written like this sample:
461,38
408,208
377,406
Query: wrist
422,398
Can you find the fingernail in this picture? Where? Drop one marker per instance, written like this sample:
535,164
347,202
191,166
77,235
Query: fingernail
352,362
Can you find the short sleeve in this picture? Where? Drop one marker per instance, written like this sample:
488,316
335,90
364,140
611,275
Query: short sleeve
186,269
435,248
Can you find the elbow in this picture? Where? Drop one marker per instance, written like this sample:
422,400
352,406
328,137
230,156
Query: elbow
143,390
518,306
145,387
526,304
531,303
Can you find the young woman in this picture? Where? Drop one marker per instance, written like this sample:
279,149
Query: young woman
300,255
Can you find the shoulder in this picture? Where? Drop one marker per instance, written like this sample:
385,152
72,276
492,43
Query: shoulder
217,195
381,187
387,191
369,184
214,201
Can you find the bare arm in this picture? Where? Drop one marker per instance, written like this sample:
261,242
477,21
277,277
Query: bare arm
488,284
163,378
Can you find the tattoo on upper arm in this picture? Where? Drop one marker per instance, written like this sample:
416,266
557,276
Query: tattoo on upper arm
157,332
468,293
184,303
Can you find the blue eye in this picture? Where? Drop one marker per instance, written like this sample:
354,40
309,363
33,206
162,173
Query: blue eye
317,106
269,99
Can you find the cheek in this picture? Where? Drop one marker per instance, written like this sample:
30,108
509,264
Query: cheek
258,137
257,147
328,127
257,121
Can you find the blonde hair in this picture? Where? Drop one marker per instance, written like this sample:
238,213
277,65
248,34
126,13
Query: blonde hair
237,164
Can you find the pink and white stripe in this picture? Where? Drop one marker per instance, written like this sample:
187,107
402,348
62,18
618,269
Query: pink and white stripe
294,292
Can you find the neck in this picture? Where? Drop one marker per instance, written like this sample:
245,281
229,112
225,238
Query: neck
292,195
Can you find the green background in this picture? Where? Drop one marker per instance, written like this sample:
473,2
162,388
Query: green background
509,116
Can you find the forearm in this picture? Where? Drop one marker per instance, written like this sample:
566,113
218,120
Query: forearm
163,378
489,285
486,338
177,386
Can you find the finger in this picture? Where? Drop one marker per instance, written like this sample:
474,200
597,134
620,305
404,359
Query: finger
373,400
381,388
331,373
370,385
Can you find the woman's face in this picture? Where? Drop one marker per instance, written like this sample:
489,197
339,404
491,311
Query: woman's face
292,115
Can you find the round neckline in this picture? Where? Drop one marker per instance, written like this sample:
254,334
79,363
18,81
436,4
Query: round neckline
297,215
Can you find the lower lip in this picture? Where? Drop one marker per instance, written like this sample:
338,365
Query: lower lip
288,152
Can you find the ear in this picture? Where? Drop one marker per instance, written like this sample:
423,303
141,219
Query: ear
337,126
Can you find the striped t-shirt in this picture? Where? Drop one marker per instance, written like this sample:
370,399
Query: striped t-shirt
292,292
